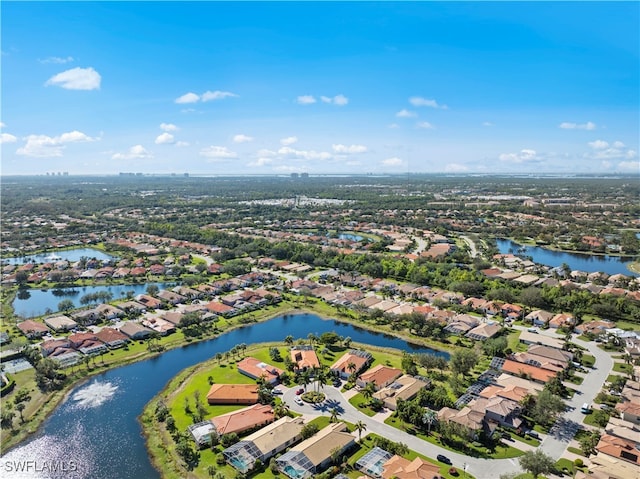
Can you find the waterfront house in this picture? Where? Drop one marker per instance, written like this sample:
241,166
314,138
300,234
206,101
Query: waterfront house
149,301
313,454
255,369
112,337
484,331
304,357
353,361
87,343
380,376
32,329
159,325
244,419
60,323
233,394
264,443
135,330
109,312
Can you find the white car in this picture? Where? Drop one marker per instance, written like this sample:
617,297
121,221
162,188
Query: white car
299,401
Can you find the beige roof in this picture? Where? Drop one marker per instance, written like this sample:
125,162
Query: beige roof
276,434
507,380
551,353
534,338
409,387
465,416
318,447
607,467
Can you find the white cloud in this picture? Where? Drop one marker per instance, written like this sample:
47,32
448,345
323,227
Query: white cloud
164,139
44,146
598,144
404,113
523,156
455,168
419,101
304,154
290,140
242,138
266,153
56,60
632,166
424,125
188,98
566,125
76,79
261,162
339,100
168,127
393,126
2,124
218,153
182,144
137,152
618,144
217,95
305,100
7,138
487,123
349,149
395,161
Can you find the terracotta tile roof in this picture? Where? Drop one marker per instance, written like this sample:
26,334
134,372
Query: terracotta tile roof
380,375
305,358
402,468
618,447
244,419
255,368
342,364
233,394
219,308
537,374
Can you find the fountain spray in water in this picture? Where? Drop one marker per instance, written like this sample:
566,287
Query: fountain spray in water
94,395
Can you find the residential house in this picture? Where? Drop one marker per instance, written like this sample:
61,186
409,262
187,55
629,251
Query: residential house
255,369
551,353
406,387
86,316
233,394
112,337
87,343
462,324
135,330
159,325
562,320
467,417
523,370
539,361
380,375
510,391
533,338
60,323
149,302
32,329
171,297
619,448
109,312
221,309
312,455
484,331
244,419
498,409
304,357
507,380
539,317
264,443
400,468
353,361
594,327
629,411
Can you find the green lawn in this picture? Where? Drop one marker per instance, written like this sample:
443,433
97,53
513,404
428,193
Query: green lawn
622,367
358,402
588,360
503,451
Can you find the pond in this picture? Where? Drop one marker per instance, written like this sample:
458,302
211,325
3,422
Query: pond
71,255
96,427
577,261
36,302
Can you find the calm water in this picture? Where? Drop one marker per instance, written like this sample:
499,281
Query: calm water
96,426
38,301
576,261
52,256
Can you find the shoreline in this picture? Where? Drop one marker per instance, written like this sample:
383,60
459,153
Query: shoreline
56,398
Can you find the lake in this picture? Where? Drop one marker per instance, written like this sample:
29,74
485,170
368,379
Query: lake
96,426
576,261
71,255
39,301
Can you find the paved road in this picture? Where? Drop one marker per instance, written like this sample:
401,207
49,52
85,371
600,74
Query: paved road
473,252
554,444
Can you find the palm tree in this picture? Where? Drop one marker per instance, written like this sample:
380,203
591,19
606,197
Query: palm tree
321,378
334,414
305,379
281,409
360,426
219,357
288,340
368,390
429,418
351,367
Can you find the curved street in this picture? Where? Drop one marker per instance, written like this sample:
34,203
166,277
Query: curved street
553,444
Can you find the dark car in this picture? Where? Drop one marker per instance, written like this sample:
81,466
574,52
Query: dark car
299,391
444,459
506,435
337,383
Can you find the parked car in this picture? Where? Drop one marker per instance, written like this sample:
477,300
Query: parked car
444,459
299,401
337,383
533,330
276,391
533,434
299,391
506,435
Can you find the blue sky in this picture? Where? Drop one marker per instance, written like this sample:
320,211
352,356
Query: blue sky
275,88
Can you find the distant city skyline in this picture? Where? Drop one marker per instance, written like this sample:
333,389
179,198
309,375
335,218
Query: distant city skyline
320,88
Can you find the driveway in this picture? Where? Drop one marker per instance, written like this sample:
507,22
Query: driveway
554,444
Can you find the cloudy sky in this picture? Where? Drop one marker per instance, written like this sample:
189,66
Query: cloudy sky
265,88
